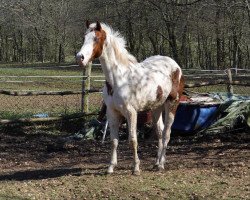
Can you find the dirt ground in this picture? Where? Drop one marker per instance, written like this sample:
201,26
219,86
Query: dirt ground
42,166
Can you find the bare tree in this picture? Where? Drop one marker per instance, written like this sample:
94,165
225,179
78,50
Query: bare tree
196,33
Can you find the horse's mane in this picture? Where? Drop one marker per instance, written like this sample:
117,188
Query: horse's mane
118,43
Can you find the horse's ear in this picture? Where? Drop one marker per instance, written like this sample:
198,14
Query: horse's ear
87,23
98,26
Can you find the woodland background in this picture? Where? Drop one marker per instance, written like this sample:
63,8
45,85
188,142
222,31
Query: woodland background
205,34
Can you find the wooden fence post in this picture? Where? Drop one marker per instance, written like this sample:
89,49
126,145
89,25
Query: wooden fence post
86,86
230,81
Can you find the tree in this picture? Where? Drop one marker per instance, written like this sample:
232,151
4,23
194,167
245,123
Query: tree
205,34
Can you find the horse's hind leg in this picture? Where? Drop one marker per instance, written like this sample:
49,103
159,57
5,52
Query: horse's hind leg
158,124
170,107
114,119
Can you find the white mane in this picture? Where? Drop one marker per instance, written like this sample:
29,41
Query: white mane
118,43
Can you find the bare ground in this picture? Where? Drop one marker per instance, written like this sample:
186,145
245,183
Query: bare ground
42,166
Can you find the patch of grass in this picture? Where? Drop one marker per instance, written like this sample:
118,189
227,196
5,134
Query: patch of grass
40,83
15,115
177,184
45,83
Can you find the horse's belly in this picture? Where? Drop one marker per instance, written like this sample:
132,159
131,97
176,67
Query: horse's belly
150,98
148,102
148,105
146,96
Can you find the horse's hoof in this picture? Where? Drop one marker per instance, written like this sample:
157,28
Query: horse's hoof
136,173
109,173
110,170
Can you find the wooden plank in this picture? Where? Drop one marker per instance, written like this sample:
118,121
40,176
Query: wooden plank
37,93
219,82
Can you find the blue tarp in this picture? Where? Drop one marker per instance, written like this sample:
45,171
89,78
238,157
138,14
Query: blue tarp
227,110
194,117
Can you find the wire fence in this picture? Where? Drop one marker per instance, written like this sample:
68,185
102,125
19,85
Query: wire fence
56,96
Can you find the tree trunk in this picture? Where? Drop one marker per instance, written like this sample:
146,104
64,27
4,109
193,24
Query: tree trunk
40,53
61,55
219,41
184,47
235,51
7,56
173,44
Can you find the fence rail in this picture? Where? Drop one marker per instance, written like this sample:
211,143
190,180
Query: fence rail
62,93
22,97
37,93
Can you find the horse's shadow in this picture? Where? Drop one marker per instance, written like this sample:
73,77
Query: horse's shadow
40,174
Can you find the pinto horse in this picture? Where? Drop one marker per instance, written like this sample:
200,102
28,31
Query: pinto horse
154,84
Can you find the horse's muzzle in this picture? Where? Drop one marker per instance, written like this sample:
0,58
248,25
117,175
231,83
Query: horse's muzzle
80,60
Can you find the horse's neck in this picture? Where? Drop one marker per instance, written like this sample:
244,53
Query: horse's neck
107,70
114,71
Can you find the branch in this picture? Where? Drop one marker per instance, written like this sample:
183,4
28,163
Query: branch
248,11
161,35
154,3
187,4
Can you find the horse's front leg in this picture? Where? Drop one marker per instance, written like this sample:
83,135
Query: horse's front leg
131,116
114,120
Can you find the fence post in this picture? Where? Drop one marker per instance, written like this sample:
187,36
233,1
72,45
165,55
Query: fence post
230,81
86,86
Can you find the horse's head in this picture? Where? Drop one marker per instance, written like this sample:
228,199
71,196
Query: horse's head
93,44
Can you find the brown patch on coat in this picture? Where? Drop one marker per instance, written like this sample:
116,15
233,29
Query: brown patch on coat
159,93
109,88
100,37
181,86
177,90
177,85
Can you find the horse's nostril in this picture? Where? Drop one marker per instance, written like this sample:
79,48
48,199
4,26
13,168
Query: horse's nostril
82,57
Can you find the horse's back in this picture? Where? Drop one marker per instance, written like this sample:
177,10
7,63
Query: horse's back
159,62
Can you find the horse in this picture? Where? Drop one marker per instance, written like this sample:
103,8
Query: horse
154,84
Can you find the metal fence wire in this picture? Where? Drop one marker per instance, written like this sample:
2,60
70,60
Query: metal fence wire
54,96
43,105
40,106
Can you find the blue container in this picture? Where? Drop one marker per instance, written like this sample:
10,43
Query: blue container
194,117
41,115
